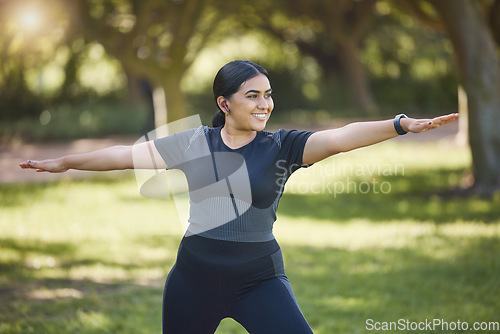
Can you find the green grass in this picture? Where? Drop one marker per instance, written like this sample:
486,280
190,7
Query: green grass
91,256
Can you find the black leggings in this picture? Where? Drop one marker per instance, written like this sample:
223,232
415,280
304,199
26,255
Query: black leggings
246,281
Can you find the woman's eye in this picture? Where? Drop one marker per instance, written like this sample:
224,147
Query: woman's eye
252,96
268,95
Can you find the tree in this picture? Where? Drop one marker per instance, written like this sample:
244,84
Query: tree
156,40
468,27
329,31
29,39
491,10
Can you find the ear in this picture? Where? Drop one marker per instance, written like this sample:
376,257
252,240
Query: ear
222,103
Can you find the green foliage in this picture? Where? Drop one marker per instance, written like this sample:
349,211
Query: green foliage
91,256
82,120
410,67
16,99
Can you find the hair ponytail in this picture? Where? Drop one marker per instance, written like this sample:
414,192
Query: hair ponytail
219,119
229,79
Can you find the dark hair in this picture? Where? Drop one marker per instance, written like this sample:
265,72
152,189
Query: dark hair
229,79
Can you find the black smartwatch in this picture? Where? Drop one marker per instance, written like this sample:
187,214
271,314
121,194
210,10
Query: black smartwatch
397,124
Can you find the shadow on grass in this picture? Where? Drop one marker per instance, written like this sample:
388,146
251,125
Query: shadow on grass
46,300
81,306
410,197
338,289
18,268
19,194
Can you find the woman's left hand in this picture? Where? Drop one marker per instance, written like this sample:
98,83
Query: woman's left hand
421,125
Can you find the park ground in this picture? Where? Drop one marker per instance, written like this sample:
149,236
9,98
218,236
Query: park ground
365,235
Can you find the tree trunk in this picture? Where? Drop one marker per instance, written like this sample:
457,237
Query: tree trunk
462,136
140,94
479,68
355,76
175,98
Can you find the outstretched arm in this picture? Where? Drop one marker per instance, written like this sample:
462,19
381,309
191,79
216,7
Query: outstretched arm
143,155
323,144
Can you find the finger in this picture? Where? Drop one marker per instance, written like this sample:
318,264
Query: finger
441,120
448,118
27,164
438,120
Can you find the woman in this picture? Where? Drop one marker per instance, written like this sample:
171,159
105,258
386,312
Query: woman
229,264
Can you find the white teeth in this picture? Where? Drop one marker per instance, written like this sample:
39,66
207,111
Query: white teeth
260,116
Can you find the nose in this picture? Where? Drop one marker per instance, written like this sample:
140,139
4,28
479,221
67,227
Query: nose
262,103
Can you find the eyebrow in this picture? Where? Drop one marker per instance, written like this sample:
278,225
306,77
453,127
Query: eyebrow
258,91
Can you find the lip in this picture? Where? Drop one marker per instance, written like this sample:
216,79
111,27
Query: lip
260,116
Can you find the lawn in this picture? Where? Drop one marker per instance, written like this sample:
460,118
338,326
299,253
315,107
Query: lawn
365,235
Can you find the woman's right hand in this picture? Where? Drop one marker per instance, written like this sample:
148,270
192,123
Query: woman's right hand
50,165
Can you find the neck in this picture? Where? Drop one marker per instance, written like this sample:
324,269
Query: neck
235,138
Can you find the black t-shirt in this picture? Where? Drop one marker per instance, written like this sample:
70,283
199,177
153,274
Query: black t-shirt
234,193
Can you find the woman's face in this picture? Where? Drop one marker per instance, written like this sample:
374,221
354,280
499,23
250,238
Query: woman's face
251,106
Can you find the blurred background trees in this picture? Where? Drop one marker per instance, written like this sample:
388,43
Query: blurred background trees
97,67
155,41
472,29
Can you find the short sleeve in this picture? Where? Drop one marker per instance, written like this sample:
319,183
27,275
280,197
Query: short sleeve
183,146
292,144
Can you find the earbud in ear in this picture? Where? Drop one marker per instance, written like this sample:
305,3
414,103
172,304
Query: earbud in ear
224,104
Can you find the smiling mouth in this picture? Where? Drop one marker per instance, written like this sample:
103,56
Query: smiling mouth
261,117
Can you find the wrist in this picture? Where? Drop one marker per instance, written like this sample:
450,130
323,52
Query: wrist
405,123
398,122
63,163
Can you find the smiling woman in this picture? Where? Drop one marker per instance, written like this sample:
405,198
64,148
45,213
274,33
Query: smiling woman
246,111
229,263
